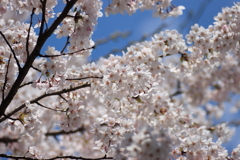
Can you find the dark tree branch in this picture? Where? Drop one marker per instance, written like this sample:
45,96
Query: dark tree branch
82,158
43,96
5,81
70,79
14,55
29,29
7,140
40,42
57,157
62,132
43,16
8,117
60,95
36,69
63,54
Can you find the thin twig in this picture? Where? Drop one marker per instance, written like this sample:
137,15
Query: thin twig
70,79
14,55
25,84
36,69
60,95
49,107
66,44
63,54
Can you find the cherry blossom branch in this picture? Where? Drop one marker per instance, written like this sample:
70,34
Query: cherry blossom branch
5,81
57,157
63,54
43,96
14,55
40,42
29,29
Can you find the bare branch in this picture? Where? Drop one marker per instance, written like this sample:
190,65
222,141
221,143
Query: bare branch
14,55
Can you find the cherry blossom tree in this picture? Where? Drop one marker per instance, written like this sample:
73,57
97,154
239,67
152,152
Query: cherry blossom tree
57,105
